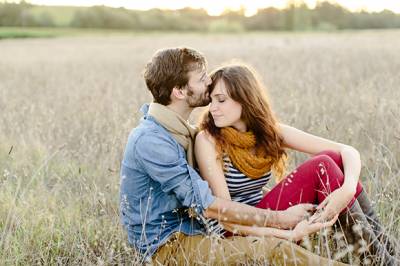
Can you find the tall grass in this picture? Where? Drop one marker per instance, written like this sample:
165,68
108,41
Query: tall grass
68,104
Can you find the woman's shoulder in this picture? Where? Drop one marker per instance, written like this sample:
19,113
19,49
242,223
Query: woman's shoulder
204,137
204,147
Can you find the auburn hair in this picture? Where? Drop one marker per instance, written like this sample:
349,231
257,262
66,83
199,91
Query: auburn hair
244,86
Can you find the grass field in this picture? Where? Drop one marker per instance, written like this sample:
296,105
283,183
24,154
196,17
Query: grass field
67,106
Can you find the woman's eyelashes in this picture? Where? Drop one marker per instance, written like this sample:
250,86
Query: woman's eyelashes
220,99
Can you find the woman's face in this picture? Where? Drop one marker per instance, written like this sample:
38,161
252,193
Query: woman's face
225,111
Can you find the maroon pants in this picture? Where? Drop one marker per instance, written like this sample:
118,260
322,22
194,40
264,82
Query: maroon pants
311,182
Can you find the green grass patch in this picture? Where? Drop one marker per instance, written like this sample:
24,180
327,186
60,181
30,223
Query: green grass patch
27,32
24,34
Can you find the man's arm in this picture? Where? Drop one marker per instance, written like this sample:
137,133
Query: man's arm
160,158
235,212
302,229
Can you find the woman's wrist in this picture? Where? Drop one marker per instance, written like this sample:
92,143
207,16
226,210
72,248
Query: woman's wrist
293,235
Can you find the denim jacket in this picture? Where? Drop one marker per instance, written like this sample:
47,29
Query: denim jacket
158,188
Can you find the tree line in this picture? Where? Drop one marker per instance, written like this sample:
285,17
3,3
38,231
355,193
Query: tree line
297,16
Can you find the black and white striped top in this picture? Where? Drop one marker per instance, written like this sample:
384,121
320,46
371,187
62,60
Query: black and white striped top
241,189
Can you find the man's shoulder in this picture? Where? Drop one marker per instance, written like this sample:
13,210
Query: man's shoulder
148,131
145,127
150,142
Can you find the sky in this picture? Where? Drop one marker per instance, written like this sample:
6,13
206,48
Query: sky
216,7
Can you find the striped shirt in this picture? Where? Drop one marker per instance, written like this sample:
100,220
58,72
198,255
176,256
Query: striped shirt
241,189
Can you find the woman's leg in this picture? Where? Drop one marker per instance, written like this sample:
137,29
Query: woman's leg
368,211
311,182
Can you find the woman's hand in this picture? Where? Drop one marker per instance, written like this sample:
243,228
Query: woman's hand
333,204
292,216
307,227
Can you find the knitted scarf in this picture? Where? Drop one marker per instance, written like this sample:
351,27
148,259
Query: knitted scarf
240,147
181,130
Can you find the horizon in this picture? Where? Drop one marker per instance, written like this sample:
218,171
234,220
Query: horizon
217,8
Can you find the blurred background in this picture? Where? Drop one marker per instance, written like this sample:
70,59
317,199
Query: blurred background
201,16
71,86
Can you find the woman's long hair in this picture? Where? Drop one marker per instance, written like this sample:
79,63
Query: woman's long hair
244,87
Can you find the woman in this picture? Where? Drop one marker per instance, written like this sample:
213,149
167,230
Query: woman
241,144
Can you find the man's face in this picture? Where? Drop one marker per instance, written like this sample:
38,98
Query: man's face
197,94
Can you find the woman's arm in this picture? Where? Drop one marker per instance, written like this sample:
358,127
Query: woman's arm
259,231
301,141
223,208
209,165
302,229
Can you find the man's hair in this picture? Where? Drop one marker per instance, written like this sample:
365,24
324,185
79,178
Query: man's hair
169,68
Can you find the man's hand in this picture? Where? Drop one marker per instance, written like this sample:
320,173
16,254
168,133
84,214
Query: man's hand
293,215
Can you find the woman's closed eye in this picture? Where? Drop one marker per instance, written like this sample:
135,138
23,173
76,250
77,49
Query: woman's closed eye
221,99
218,98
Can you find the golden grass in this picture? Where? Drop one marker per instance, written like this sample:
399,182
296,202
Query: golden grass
68,104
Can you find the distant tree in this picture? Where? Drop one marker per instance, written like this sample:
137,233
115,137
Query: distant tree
13,14
104,17
193,19
297,16
384,19
223,25
266,19
45,20
330,14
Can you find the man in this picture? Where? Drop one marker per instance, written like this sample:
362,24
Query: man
164,200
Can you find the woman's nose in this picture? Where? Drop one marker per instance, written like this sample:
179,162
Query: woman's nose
212,107
209,81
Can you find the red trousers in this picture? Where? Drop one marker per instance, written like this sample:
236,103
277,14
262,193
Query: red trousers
311,182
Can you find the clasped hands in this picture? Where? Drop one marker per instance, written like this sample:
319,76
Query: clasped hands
306,219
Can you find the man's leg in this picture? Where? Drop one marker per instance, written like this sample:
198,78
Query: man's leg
189,250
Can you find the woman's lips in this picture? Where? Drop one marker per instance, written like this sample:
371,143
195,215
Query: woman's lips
216,116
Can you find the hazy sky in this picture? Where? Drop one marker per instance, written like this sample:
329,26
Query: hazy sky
215,7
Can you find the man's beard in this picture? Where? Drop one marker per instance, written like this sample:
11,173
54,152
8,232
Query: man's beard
199,100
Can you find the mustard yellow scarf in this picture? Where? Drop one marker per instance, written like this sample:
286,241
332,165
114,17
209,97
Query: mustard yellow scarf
241,149
181,130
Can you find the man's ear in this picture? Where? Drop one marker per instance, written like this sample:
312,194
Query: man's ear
178,93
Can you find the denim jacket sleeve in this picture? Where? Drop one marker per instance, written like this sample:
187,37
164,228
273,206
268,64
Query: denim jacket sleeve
159,156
